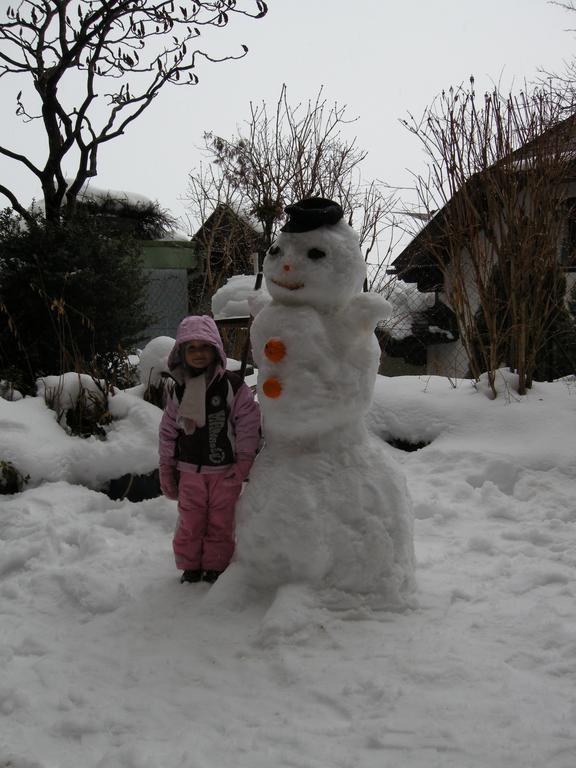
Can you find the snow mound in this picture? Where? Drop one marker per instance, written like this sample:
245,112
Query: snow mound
33,441
62,392
232,299
154,360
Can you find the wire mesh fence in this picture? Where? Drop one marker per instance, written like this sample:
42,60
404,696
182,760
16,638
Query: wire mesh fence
167,301
421,335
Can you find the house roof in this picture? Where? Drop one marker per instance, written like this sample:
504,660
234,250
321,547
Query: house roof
417,263
224,216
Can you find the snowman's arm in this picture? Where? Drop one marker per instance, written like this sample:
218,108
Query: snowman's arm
258,300
366,310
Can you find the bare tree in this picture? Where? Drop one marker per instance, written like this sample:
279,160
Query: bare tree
562,81
498,176
119,54
285,154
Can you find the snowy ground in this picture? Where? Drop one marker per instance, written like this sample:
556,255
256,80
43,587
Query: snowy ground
106,661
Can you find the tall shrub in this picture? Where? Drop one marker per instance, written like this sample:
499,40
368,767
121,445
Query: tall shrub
71,298
500,170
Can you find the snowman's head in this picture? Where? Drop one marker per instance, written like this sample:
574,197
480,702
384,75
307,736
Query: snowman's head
316,259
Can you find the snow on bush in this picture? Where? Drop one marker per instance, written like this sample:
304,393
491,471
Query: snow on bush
154,360
8,392
231,300
62,392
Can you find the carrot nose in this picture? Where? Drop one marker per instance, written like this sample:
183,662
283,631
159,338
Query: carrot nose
286,267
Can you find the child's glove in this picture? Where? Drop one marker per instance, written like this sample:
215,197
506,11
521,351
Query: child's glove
169,481
238,472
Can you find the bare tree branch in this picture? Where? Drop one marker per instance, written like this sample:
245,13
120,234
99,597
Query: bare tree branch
21,159
499,174
14,202
138,46
286,153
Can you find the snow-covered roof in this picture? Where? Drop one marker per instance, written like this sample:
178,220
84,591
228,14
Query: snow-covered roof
90,193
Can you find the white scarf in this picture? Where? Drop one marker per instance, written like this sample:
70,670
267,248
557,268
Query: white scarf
192,409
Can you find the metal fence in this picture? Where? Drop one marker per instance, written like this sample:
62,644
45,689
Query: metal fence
167,301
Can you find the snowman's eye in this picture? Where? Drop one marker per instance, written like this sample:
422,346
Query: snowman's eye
274,250
315,254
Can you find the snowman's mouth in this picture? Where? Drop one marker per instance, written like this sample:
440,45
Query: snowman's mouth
288,286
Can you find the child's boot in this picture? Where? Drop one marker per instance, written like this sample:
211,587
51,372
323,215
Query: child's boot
190,576
210,576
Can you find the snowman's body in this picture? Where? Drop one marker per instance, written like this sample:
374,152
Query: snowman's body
325,504
326,373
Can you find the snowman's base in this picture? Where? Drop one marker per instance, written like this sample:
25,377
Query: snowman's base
294,612
338,519
299,612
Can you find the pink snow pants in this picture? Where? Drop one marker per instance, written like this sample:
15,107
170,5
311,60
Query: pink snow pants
204,535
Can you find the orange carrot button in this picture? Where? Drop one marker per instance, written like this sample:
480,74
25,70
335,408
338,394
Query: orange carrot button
275,350
272,387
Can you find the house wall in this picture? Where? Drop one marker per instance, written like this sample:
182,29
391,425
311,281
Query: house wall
451,359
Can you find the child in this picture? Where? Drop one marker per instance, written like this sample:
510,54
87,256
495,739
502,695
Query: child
209,435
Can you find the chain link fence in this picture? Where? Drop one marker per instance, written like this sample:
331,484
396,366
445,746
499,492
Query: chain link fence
167,301
421,335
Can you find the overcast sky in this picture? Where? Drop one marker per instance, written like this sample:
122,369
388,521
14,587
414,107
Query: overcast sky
381,58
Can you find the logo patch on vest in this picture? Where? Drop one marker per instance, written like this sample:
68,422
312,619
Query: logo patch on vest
216,423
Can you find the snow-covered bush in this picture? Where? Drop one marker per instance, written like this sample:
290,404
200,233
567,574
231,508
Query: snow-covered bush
231,300
11,480
153,369
117,212
79,401
9,391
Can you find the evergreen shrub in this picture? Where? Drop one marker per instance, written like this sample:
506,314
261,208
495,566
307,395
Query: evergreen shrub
71,298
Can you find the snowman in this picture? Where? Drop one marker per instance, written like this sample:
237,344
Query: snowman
326,506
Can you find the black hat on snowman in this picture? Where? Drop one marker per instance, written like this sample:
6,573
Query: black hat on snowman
312,213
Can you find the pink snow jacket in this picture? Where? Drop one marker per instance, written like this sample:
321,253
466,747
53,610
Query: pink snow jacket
240,434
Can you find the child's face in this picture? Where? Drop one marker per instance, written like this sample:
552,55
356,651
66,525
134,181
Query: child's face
198,354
